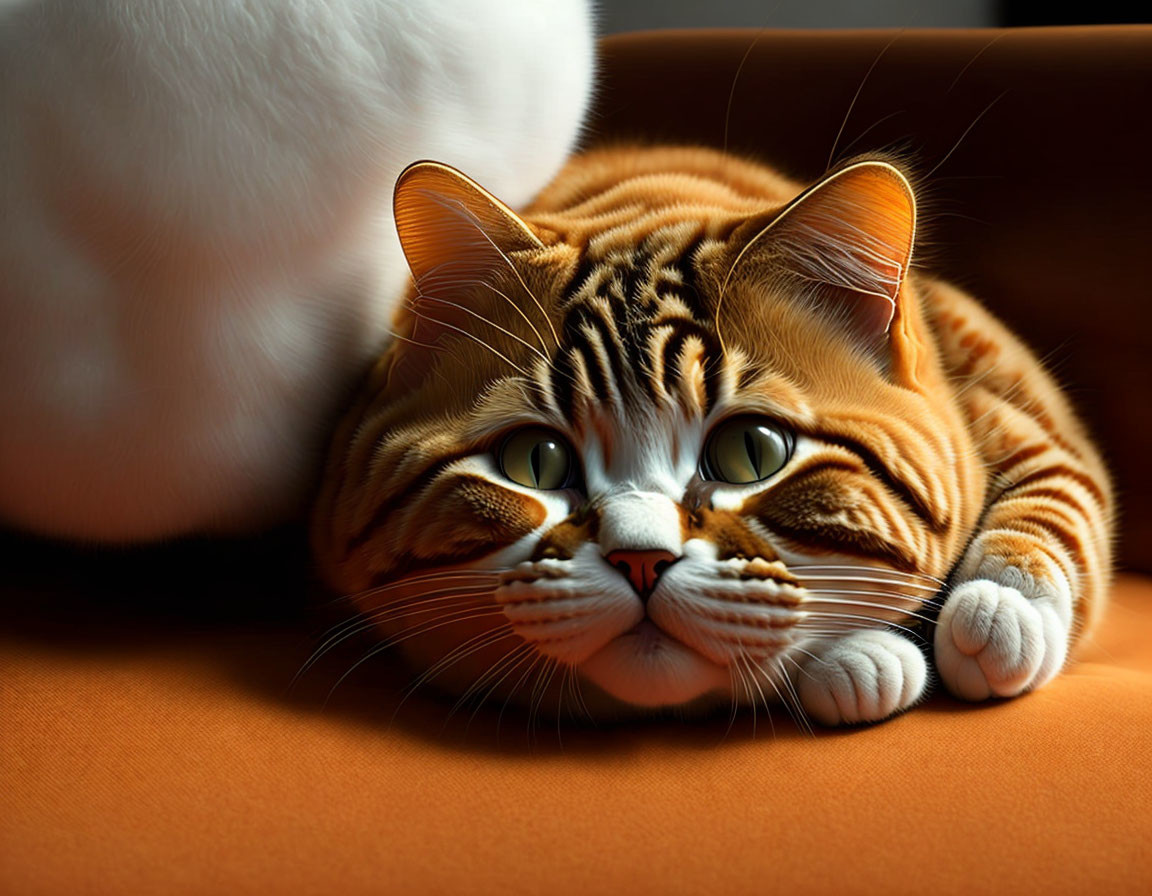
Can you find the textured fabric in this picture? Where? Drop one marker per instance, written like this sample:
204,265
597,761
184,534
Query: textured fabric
176,764
149,741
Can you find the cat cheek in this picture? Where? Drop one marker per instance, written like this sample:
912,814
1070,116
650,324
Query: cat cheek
470,516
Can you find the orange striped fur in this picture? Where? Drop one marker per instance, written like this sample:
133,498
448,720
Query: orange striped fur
645,298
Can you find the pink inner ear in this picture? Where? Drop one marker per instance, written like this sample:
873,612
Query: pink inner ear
850,238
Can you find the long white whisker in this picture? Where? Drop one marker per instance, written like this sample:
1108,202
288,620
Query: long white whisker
752,669
513,658
447,575
871,569
414,631
476,339
864,603
458,653
364,622
461,209
856,96
876,623
782,696
465,281
427,297
747,688
869,580
967,130
790,687
537,658
539,689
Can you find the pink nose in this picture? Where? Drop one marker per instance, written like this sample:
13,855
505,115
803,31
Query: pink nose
641,568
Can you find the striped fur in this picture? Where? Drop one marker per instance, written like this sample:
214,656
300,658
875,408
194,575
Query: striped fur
647,295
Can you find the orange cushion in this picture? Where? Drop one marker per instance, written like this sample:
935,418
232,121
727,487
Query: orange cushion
177,765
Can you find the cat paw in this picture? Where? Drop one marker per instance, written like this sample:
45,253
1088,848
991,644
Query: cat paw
992,641
864,677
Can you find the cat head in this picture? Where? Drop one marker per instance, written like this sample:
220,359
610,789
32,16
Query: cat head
659,432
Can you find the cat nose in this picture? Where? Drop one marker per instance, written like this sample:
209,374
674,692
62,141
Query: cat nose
641,568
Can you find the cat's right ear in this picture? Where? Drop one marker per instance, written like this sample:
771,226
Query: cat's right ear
451,228
845,244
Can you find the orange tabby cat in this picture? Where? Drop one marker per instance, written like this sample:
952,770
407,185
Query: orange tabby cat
683,433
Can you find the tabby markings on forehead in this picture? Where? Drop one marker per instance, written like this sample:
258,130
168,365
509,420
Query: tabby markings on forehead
631,319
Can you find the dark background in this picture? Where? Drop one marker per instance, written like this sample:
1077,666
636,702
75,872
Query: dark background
630,15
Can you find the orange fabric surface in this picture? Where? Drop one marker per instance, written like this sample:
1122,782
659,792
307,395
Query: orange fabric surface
148,763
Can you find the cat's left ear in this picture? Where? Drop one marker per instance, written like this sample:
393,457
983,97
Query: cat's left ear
845,244
452,228
456,236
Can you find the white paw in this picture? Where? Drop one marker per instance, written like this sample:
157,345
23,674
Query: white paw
864,677
991,640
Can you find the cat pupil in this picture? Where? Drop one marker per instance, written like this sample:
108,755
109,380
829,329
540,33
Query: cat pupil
753,446
535,461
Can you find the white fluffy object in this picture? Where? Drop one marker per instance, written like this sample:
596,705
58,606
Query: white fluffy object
197,256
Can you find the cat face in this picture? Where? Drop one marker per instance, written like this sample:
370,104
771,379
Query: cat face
652,440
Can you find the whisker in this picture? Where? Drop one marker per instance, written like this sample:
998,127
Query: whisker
414,631
539,689
364,622
473,281
893,572
476,339
877,623
808,654
513,658
458,653
736,80
794,709
734,703
537,659
836,578
799,669
578,693
471,218
856,96
864,603
747,689
565,671
752,669
427,297
485,639
864,133
408,581
984,49
791,686
967,130
415,603
465,614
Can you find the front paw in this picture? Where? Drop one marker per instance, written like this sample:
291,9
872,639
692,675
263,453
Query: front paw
863,677
991,640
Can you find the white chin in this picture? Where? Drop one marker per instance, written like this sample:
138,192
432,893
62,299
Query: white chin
646,667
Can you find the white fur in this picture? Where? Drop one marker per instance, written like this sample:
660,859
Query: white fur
197,256
1001,632
862,677
635,520
568,609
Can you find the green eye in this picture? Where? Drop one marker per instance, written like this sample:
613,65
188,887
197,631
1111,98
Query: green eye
745,449
537,457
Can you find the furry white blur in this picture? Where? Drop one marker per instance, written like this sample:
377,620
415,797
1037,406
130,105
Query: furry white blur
197,254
